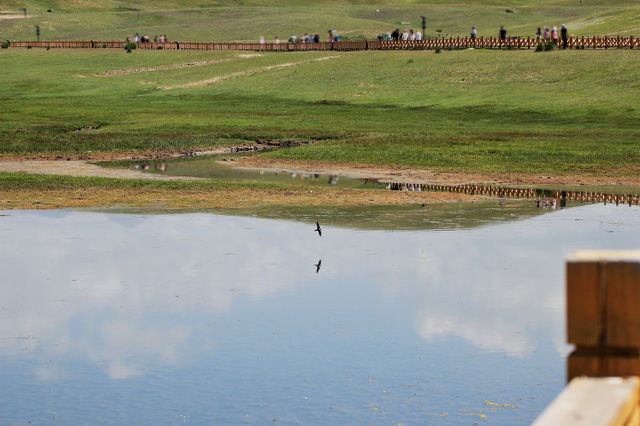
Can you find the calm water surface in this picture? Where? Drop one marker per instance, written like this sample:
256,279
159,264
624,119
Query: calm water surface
121,318
221,167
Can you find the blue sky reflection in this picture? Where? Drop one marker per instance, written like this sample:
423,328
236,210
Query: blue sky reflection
233,304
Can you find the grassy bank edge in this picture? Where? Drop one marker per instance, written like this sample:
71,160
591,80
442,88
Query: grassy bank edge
26,191
22,181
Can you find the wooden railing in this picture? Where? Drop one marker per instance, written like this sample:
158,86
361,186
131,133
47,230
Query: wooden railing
603,322
605,42
516,192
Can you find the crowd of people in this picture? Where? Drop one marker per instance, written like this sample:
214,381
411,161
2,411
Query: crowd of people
552,35
137,38
407,35
396,35
305,38
545,36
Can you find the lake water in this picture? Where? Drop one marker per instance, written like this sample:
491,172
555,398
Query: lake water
125,317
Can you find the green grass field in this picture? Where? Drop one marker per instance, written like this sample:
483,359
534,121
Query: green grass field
554,112
223,20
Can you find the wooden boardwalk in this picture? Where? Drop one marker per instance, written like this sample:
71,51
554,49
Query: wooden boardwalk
429,43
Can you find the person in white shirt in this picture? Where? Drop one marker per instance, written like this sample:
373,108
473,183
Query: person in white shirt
405,35
418,35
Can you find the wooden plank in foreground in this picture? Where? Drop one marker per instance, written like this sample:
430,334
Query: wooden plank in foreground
603,319
603,293
595,401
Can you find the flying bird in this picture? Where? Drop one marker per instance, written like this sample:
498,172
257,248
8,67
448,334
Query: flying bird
318,229
317,265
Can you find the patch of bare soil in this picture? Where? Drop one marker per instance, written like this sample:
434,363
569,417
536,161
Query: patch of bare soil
217,79
78,168
117,73
3,16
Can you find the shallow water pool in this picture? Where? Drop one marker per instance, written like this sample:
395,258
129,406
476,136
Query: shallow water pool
221,167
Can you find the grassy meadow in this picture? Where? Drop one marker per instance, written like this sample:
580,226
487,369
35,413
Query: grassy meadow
562,112
225,20
480,111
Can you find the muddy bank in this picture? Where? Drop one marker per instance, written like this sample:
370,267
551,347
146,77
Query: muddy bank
253,146
81,165
16,198
196,197
404,174
79,168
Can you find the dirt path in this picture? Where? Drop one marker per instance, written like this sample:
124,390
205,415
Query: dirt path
6,17
117,73
79,168
217,79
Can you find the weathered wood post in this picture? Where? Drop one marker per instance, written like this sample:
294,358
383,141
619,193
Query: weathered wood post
603,321
603,313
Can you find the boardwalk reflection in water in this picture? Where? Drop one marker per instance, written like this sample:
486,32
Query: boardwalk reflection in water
222,319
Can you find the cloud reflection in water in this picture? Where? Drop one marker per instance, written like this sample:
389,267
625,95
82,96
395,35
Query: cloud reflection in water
133,293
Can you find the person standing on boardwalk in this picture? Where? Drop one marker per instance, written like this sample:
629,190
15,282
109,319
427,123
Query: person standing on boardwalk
554,35
474,33
503,33
563,35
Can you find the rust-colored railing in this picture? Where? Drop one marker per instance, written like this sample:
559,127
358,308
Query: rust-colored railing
604,42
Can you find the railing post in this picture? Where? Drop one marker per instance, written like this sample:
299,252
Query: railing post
603,314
